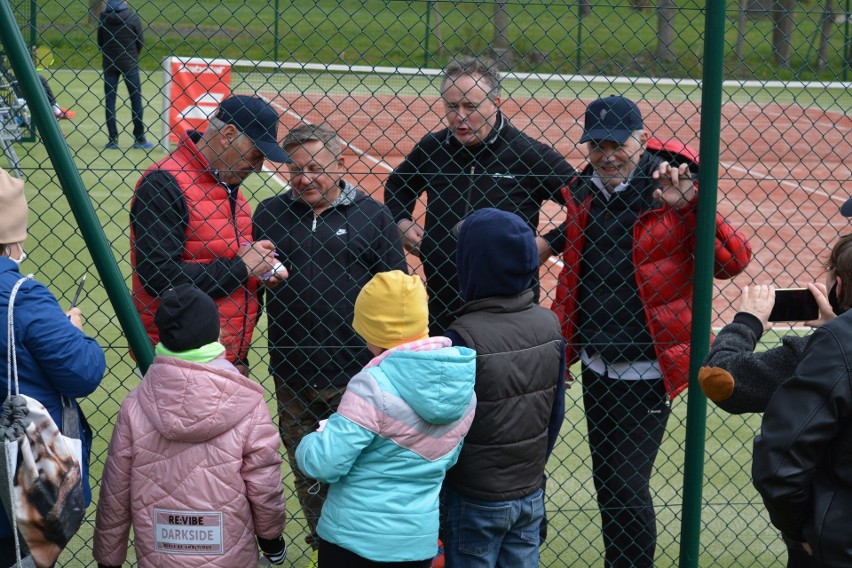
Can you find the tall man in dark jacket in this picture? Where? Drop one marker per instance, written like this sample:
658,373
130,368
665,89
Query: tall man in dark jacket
493,495
333,239
480,160
120,40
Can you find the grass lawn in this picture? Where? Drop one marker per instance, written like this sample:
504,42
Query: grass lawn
545,36
735,530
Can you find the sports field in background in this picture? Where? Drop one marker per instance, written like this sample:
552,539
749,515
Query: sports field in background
783,164
785,171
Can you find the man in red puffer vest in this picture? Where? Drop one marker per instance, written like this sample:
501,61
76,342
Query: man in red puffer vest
189,222
624,299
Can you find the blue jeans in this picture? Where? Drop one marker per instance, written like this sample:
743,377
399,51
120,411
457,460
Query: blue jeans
134,90
503,534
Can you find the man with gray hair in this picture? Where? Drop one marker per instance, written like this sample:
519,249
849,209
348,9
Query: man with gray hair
480,160
624,299
189,222
333,239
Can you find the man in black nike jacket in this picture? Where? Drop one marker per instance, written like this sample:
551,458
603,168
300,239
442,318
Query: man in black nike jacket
479,161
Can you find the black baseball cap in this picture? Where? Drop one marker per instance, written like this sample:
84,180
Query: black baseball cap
612,118
255,118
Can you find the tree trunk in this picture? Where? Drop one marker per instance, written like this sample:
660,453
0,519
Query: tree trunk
501,40
666,13
827,24
782,16
438,33
95,9
741,29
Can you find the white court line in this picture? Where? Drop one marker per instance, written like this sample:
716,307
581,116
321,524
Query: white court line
768,176
773,114
555,260
352,147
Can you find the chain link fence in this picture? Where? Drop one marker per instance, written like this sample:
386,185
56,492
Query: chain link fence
372,72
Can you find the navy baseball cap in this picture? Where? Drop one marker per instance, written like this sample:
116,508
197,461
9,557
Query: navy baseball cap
255,118
612,118
846,208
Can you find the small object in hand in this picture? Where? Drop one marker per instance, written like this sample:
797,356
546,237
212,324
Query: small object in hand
277,270
77,293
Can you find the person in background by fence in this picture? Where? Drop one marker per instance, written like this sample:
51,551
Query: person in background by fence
802,456
189,221
58,111
494,496
398,428
332,238
194,453
624,298
121,40
480,160
55,359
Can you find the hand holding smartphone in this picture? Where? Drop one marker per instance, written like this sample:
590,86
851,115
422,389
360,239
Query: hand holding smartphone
794,304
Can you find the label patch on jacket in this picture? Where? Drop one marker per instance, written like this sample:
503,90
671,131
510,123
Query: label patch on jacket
187,532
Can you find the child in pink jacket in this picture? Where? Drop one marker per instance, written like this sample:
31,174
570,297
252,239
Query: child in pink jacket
194,461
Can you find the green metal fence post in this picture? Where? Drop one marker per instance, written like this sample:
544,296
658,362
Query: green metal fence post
275,33
33,24
72,186
847,46
578,59
696,417
428,33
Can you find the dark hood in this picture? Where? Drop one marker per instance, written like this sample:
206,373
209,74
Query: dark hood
496,255
115,6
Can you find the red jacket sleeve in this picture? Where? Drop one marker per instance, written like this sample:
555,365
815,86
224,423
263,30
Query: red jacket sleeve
732,252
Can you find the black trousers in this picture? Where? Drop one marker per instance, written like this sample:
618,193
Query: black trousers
626,421
333,556
7,550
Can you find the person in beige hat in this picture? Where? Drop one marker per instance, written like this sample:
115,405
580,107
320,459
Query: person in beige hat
58,358
13,225
398,428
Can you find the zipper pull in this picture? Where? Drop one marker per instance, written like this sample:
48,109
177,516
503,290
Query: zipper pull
471,169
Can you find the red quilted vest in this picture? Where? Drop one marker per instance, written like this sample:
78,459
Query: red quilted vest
213,231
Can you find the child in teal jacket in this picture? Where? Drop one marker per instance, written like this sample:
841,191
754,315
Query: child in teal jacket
398,428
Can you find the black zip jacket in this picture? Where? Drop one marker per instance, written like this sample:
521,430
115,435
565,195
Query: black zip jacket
803,457
329,258
120,39
509,171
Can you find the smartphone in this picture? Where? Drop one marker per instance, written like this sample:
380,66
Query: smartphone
794,304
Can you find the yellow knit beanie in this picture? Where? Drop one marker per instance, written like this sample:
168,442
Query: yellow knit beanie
13,210
391,310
